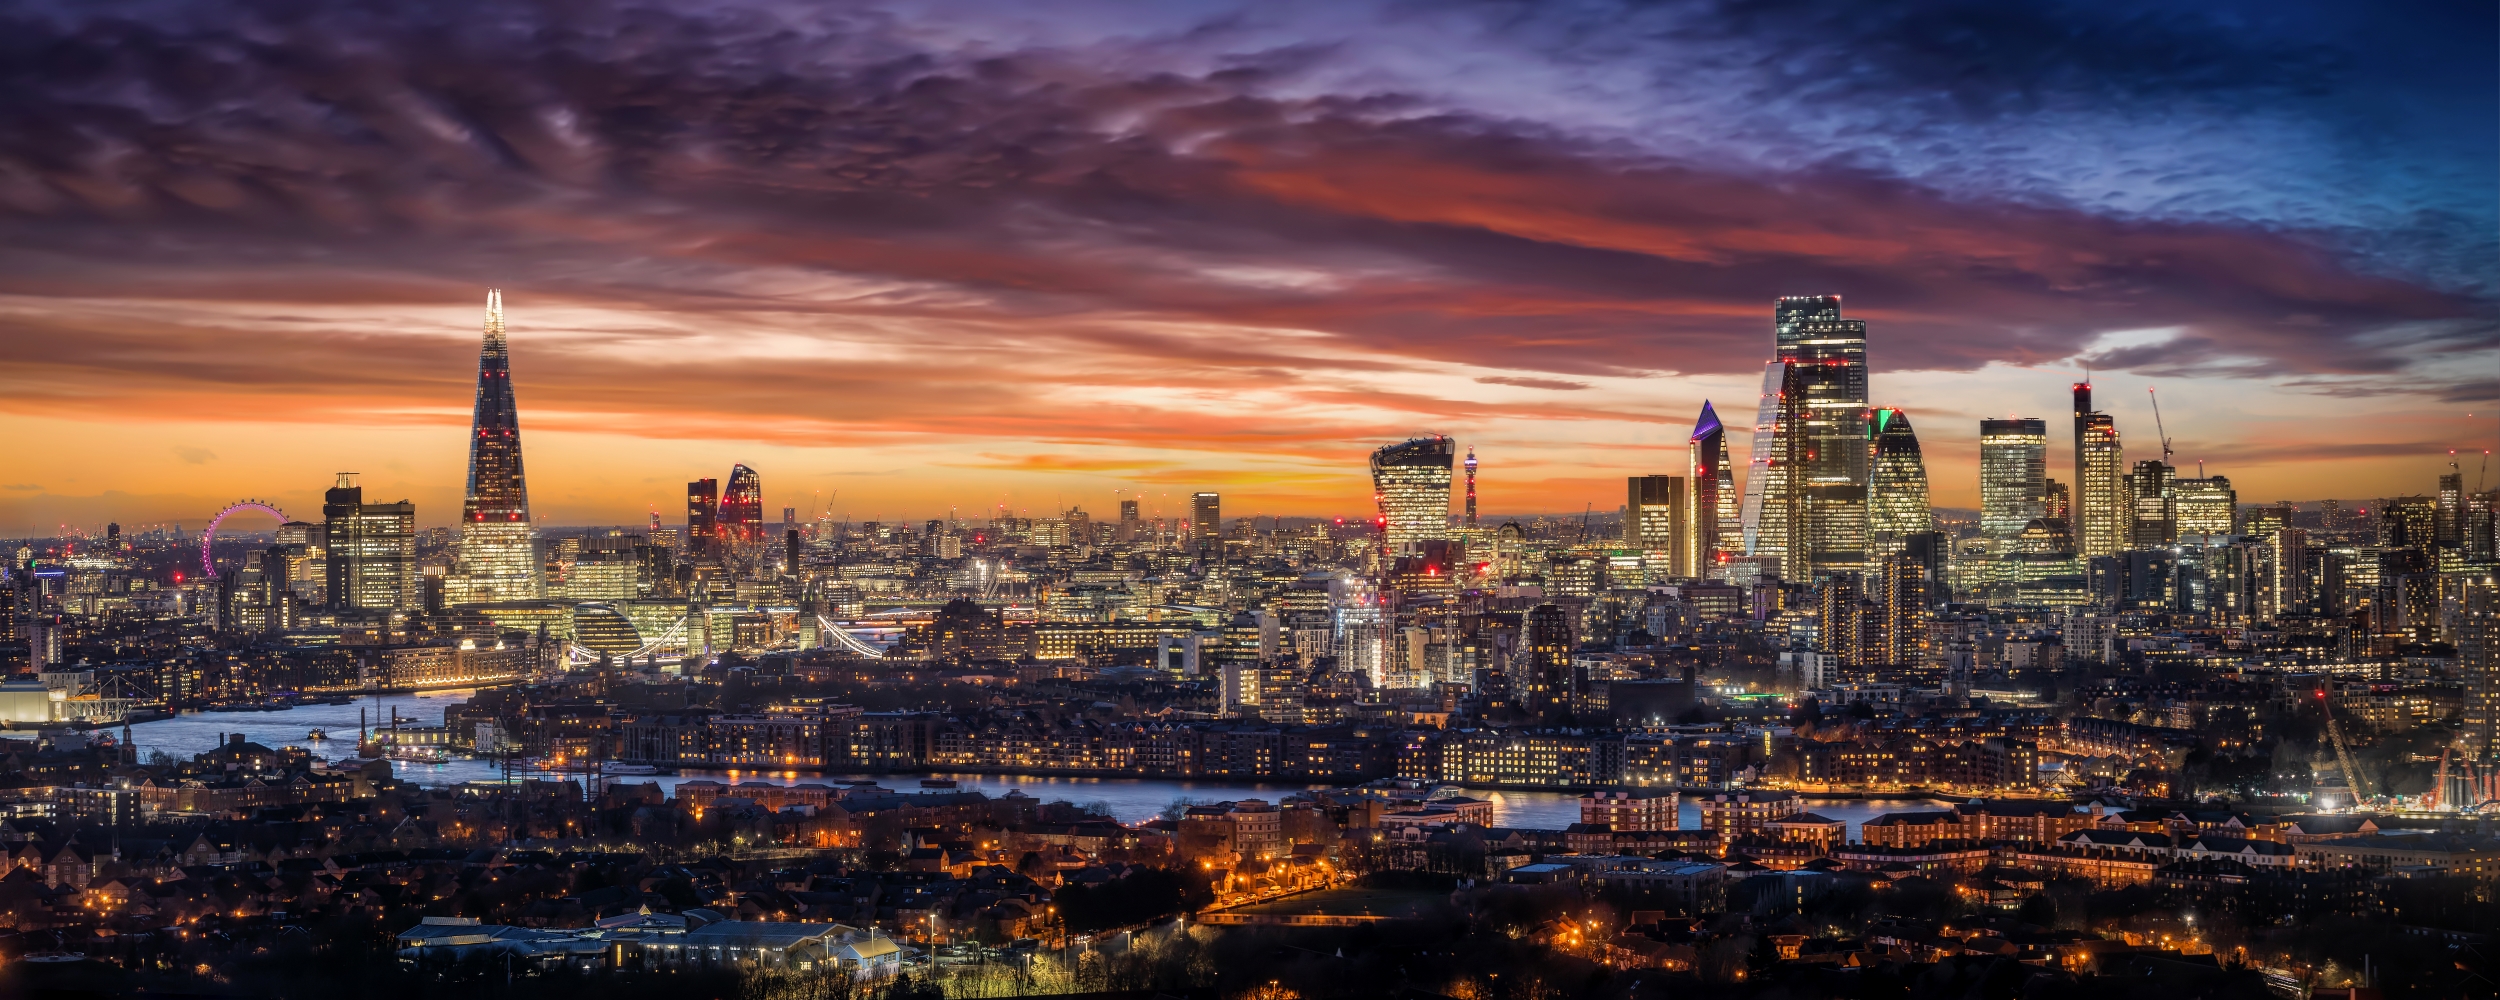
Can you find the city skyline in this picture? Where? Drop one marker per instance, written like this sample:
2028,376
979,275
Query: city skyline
1289,500
1292,262
495,412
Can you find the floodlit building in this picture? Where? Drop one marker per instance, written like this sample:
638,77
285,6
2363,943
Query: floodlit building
2205,507
2013,473
1824,435
372,549
742,510
2104,520
702,516
1896,493
2153,511
1411,481
1658,521
1206,521
1717,533
498,558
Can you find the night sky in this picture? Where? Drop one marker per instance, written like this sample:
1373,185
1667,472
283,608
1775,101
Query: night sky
971,253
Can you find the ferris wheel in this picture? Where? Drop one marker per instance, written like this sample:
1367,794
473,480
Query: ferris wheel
208,535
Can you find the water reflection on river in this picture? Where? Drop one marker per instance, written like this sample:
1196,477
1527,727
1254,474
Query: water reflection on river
1129,799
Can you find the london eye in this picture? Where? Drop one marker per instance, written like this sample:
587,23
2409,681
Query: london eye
208,536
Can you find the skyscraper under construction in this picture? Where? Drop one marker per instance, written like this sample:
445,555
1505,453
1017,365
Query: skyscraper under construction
498,558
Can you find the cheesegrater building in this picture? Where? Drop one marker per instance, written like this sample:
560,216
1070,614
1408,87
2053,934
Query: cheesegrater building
498,544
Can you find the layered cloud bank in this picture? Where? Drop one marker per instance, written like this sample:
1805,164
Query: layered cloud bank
966,254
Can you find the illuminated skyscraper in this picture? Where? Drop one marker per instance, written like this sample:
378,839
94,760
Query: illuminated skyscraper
1471,487
2013,473
2103,518
702,517
1896,493
498,544
2451,530
1716,531
1206,522
2152,497
1657,519
1411,480
742,510
2205,508
1907,588
1763,518
2481,536
2477,627
372,560
1545,686
1828,354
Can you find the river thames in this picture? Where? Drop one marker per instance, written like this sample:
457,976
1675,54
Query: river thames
1128,799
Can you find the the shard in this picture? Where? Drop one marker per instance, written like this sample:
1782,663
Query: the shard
498,544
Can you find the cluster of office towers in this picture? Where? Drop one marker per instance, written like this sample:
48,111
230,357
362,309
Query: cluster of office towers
1836,485
1836,488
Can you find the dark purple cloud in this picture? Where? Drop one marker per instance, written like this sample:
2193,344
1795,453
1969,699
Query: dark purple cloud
648,158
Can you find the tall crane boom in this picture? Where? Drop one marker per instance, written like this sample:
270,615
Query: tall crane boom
2159,429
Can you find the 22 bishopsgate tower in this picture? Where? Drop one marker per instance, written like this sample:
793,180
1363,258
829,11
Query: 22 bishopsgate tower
1806,499
498,550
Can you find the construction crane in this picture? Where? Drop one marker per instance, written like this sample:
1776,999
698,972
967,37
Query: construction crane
2164,432
2343,754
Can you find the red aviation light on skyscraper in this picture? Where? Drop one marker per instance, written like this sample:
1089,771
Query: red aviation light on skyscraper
497,556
